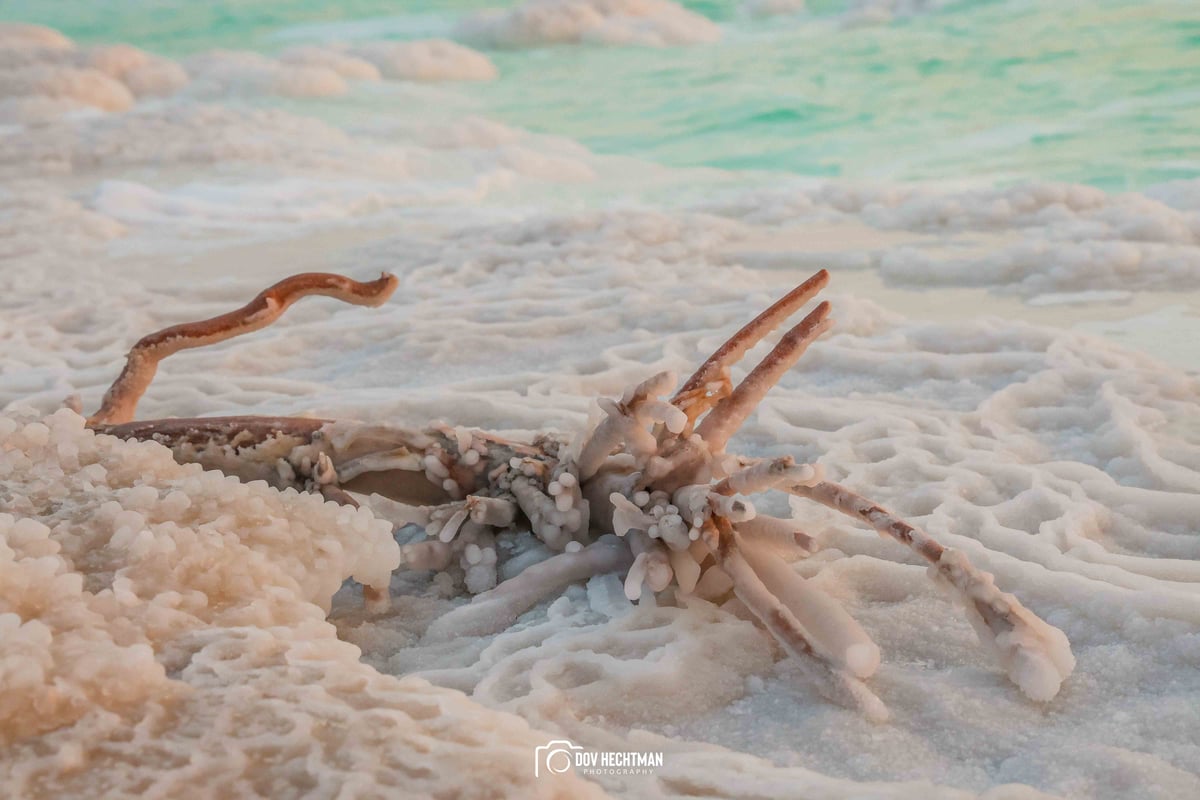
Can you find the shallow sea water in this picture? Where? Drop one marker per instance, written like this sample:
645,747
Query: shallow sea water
1102,93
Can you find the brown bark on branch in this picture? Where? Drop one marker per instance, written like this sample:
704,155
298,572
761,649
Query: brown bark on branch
120,401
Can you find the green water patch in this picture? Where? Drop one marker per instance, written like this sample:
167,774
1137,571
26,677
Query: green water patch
1003,91
1106,93
181,27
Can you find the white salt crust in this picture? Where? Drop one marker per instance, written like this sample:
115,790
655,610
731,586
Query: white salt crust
1029,239
329,71
43,75
156,620
1061,463
426,60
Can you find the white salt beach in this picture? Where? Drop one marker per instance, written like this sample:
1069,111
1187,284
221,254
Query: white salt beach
1011,367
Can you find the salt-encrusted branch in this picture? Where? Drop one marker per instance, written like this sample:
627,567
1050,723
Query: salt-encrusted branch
1035,654
496,609
767,474
781,531
731,352
839,498
214,430
686,569
120,401
651,565
834,634
713,584
643,473
835,682
626,423
724,420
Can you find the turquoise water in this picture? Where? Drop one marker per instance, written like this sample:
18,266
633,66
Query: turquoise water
1105,93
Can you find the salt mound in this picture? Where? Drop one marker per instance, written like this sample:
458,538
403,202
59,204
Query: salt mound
146,75
223,72
323,71
43,76
654,23
468,132
348,66
155,618
1182,194
87,87
427,60
16,34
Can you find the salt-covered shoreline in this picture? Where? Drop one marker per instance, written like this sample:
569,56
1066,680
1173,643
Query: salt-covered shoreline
1012,368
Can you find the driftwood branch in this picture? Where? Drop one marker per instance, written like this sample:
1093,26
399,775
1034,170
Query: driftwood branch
691,396
120,401
730,413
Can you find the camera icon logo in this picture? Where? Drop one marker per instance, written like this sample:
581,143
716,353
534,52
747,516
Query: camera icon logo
554,757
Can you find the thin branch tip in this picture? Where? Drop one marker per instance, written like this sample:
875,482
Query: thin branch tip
121,399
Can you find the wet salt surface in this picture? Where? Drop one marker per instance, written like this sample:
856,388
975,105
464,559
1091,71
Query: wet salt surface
1056,444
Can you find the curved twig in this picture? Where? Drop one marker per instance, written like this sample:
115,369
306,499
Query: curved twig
120,401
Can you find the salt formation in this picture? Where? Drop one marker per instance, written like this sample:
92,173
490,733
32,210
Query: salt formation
324,71
153,615
43,75
655,23
1074,237
426,60
348,66
652,471
85,87
222,73
1059,461
17,36
146,75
